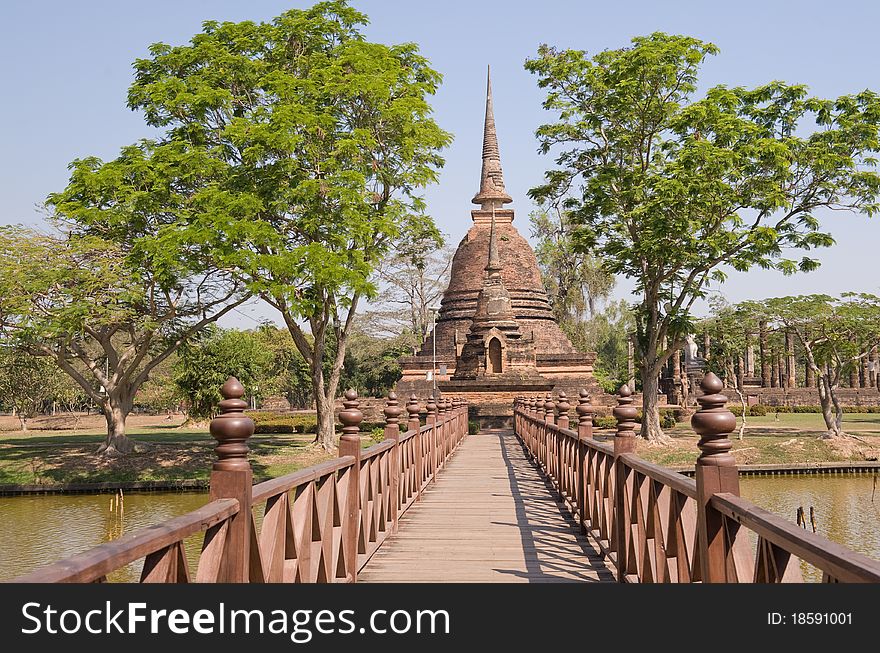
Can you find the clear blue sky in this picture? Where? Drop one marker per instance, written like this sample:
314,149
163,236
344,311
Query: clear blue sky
65,67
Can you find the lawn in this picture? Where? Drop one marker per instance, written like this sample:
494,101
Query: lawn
171,453
792,438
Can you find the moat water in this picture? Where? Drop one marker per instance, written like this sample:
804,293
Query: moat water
35,530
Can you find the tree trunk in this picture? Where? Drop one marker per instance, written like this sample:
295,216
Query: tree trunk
830,406
116,411
326,435
22,421
651,429
745,409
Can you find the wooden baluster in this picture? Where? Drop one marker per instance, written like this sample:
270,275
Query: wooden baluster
350,445
716,471
562,408
232,478
465,418
585,432
432,438
413,409
552,439
624,442
392,432
539,433
442,427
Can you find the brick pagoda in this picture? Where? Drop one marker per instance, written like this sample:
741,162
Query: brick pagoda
496,334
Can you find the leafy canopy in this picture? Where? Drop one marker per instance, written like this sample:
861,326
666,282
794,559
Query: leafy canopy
669,188
323,138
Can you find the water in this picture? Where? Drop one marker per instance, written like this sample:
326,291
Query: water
35,530
846,507
39,529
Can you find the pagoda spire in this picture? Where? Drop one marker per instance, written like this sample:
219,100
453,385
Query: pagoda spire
493,267
492,194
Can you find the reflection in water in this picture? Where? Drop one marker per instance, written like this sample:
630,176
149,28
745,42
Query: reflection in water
36,530
846,508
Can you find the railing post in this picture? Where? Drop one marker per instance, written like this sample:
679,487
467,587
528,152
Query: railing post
585,432
413,409
716,471
562,408
624,442
432,437
539,432
565,471
232,478
350,445
392,432
443,428
552,454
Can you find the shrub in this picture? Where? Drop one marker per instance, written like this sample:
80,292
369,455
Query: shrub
604,422
667,419
377,434
758,410
473,427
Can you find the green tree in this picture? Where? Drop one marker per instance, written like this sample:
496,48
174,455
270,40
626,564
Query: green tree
372,364
731,329
412,279
325,139
205,362
671,191
607,334
575,280
837,334
287,375
104,309
27,383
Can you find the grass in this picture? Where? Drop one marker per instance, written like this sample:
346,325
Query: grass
793,438
54,457
51,457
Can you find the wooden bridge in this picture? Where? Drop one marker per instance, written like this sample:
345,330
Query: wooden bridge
542,502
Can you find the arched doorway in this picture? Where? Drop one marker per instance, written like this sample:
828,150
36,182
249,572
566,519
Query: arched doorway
494,356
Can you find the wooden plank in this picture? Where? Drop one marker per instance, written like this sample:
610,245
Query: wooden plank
490,517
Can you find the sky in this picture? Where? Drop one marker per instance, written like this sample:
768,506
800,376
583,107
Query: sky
66,66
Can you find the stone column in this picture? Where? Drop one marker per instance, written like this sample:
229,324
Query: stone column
774,369
764,348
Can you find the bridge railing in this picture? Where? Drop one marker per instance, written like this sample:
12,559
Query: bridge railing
655,525
320,524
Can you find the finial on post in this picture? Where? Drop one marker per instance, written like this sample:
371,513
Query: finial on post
413,409
625,414
232,428
392,410
351,417
432,406
713,422
549,408
562,408
585,414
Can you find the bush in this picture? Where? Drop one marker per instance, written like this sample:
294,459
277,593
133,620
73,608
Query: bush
604,422
377,434
473,427
758,410
667,419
